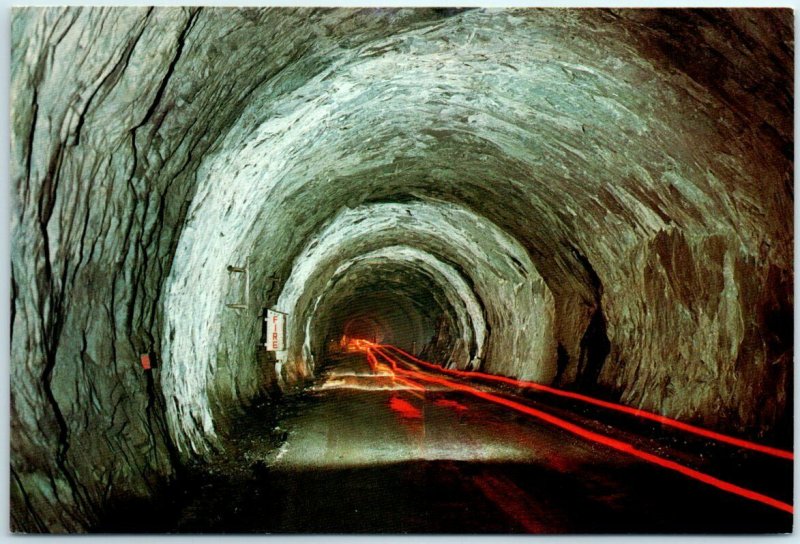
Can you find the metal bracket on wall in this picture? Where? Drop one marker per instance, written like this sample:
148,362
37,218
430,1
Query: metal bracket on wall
246,271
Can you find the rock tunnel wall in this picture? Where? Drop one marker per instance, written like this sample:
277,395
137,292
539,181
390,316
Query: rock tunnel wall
613,189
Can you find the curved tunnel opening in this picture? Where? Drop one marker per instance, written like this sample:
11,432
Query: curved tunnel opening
360,327
379,318
392,303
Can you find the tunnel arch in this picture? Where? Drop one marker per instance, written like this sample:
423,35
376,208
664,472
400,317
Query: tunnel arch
510,279
491,139
523,135
456,292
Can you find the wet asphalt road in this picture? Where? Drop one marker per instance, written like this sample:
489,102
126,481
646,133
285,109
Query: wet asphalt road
365,452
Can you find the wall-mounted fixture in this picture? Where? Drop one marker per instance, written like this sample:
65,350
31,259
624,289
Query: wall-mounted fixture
243,305
273,329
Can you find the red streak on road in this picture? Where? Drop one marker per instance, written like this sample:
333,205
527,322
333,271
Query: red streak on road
372,360
510,499
588,435
457,406
783,454
405,408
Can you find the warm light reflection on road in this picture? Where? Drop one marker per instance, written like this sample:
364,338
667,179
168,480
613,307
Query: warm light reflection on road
351,345
367,415
401,367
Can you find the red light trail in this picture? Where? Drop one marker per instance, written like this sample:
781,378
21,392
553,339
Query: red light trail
405,408
783,454
454,405
510,498
577,430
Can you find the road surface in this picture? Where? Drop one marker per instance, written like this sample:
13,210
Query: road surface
369,448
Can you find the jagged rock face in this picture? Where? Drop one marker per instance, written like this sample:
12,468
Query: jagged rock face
596,199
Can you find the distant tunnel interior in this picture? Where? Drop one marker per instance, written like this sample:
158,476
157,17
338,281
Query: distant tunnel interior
394,307
599,200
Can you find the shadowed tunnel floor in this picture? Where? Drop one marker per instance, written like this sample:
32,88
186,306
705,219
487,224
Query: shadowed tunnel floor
361,452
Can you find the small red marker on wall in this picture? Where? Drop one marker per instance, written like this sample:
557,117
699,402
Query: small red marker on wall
146,361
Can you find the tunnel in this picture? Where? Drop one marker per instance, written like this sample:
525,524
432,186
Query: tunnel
502,205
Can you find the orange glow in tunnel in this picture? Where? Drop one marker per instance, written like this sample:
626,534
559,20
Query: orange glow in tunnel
351,345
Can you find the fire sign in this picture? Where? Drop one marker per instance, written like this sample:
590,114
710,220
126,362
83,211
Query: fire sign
276,330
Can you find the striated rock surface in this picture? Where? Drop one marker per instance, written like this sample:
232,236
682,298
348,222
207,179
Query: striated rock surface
597,199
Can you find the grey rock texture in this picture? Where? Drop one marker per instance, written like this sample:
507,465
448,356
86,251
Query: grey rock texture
597,199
